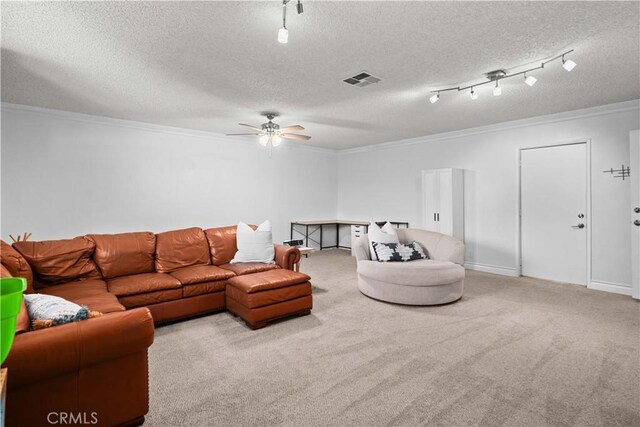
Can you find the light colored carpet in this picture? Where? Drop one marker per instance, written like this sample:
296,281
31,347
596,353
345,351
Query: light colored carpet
513,351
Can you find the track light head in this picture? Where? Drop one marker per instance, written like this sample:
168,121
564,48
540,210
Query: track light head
434,98
473,94
568,64
497,91
299,7
530,80
283,35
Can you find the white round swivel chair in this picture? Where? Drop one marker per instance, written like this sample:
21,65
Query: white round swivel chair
438,280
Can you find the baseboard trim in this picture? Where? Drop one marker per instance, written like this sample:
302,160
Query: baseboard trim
616,288
495,269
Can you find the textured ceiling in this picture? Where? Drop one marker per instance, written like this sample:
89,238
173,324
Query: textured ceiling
210,65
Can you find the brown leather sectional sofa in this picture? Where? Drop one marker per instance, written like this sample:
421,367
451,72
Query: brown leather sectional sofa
98,367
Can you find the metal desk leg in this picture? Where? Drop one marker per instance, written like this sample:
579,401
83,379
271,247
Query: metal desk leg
307,237
321,236
337,236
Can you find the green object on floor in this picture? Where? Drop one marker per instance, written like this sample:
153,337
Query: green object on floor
11,290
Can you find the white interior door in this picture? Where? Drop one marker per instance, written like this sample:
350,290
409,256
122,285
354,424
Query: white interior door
553,197
430,197
635,212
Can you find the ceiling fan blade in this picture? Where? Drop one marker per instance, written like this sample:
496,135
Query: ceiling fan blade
295,136
291,128
250,126
238,134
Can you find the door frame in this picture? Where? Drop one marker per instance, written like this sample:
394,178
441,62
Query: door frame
574,141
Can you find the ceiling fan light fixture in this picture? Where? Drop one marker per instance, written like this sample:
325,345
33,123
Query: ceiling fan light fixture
264,140
276,140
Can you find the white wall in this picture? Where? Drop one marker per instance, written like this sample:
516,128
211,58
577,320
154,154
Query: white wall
66,174
383,182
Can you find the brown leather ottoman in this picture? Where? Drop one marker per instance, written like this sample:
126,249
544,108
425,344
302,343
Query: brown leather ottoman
261,297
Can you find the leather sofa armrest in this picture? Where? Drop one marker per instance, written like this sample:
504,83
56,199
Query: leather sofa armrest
286,256
64,349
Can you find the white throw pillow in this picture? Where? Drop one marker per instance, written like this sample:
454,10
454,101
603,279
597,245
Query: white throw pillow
254,246
386,234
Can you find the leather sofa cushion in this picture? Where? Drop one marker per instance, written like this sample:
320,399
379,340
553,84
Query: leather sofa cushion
124,254
273,296
23,322
203,288
222,243
142,283
4,272
243,268
150,298
59,261
181,248
92,293
16,264
267,280
201,273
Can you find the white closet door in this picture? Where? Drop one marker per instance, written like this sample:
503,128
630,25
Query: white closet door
444,215
430,197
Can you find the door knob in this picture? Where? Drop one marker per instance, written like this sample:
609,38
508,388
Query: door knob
637,222
581,225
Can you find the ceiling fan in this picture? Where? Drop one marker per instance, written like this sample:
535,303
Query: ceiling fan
271,134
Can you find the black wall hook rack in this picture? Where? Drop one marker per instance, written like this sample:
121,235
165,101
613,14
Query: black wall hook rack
623,172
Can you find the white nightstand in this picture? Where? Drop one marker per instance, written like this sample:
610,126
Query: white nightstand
357,231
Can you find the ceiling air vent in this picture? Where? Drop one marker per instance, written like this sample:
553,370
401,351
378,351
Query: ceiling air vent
362,79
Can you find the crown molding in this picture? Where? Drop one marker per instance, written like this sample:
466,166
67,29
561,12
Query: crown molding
600,110
216,137
149,127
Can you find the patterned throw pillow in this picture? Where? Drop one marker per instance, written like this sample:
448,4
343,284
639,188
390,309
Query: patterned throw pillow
48,310
394,252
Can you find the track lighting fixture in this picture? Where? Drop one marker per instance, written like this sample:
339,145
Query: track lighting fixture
500,74
497,91
568,64
283,33
530,80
